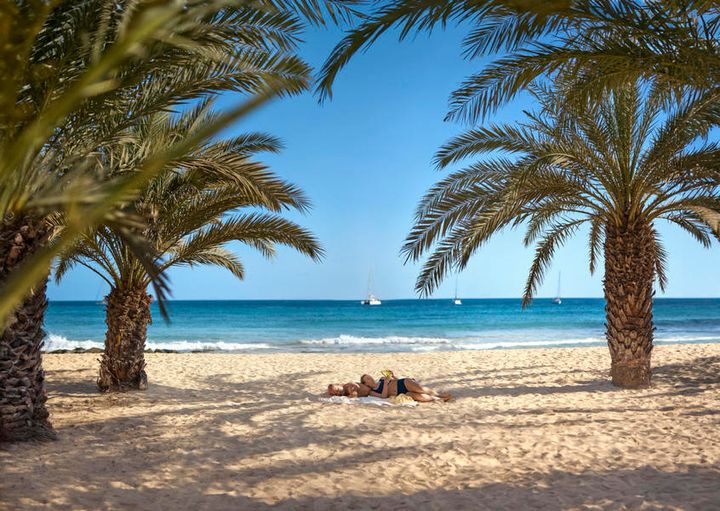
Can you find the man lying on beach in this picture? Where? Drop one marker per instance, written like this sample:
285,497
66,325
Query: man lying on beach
392,386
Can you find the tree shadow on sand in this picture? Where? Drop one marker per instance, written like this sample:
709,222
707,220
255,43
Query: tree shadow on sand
645,488
232,439
688,378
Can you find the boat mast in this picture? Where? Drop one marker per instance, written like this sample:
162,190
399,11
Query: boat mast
557,296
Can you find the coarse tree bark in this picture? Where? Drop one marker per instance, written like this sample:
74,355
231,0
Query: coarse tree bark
23,414
127,316
628,284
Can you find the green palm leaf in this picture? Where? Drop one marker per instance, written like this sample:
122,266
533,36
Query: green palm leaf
630,159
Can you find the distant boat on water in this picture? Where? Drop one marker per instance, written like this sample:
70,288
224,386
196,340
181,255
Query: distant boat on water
557,300
371,298
456,300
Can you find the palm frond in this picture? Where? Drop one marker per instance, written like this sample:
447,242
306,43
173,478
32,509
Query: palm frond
595,242
660,262
192,208
570,163
596,45
84,73
556,236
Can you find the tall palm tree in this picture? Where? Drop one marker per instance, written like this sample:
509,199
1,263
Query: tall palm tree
601,43
58,60
84,80
75,74
213,195
618,166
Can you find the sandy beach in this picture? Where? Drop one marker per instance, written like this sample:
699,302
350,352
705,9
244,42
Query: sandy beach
538,428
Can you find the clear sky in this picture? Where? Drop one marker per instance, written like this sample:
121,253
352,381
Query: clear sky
365,160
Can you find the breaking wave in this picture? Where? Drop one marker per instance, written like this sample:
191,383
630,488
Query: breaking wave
352,340
359,343
57,342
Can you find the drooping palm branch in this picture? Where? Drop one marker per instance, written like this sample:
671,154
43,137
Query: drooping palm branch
188,212
598,43
613,162
80,72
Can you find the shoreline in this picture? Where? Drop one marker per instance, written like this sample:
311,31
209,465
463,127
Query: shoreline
277,349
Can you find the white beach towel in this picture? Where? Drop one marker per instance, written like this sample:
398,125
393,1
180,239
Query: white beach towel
344,400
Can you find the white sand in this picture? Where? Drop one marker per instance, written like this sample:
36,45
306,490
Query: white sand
529,429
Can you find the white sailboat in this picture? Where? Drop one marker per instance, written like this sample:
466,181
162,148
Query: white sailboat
371,298
456,300
557,300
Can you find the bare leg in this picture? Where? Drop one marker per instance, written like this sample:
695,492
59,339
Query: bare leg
413,386
423,398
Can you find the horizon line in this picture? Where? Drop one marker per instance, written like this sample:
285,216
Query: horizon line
391,299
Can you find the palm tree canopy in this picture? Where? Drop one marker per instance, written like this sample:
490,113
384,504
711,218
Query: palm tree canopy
214,194
622,160
77,73
206,50
600,43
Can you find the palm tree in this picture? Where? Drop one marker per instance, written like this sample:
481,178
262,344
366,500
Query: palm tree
88,75
601,43
618,166
190,212
75,75
58,60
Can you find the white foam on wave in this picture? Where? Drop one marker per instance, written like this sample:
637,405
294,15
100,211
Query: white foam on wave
436,343
55,342
393,339
490,345
687,338
58,342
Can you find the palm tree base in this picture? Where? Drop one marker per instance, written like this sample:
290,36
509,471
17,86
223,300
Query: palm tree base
122,366
23,414
108,382
633,374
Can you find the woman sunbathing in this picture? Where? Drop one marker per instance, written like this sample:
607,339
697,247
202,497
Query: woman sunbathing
385,388
350,389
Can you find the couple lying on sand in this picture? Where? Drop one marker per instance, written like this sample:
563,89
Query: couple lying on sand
387,387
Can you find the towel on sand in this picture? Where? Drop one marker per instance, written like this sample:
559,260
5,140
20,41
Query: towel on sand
395,401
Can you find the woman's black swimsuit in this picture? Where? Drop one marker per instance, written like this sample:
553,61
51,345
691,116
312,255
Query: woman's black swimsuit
380,386
401,387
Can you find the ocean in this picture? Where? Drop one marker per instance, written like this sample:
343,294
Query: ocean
396,325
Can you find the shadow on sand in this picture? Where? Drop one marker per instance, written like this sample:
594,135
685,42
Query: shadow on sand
215,460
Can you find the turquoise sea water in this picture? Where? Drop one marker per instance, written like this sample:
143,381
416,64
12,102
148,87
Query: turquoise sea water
396,325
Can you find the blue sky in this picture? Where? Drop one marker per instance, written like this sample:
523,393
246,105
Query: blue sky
364,159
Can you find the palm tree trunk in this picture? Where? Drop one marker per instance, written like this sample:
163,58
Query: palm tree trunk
629,277
23,415
122,366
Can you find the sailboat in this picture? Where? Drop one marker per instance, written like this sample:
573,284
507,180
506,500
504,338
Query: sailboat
557,300
456,300
371,298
